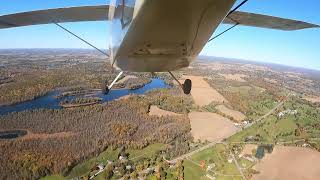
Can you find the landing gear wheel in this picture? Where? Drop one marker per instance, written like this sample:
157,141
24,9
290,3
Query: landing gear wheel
187,86
105,88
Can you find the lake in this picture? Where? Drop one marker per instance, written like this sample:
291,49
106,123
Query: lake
51,102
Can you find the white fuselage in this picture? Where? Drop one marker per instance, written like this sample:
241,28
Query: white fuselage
163,35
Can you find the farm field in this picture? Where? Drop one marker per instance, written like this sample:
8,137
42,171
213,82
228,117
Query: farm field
210,126
235,115
287,162
202,93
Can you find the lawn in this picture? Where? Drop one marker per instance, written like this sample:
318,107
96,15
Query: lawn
147,152
218,155
192,171
54,177
84,168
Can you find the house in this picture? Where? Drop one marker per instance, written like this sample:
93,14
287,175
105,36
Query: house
150,170
252,138
211,166
123,159
128,167
210,177
109,162
288,111
100,167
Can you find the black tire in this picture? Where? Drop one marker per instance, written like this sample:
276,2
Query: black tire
105,89
187,85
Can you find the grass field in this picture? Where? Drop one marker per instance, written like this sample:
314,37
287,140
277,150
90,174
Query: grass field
192,171
147,152
54,177
273,129
218,155
84,168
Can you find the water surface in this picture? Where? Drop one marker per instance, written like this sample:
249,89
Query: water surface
51,102
12,134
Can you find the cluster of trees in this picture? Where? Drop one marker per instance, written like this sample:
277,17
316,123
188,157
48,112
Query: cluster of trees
79,101
119,123
133,83
36,77
171,100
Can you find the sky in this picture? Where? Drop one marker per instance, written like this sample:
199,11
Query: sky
295,48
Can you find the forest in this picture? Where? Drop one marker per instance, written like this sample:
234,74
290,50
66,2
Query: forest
59,139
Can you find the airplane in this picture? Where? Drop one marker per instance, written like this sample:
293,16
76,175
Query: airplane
155,35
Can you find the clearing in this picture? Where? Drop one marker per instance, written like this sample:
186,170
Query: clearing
155,111
236,115
313,99
234,77
248,149
202,93
210,126
289,163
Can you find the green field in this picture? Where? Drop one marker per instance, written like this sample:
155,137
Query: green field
84,168
54,177
287,128
218,155
192,171
147,152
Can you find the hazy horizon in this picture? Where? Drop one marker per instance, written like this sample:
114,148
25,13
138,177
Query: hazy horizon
291,48
200,56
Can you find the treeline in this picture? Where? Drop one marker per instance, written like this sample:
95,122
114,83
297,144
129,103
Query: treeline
93,128
133,83
171,99
80,101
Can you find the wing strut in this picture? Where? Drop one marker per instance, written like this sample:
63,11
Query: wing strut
233,10
236,23
224,32
65,29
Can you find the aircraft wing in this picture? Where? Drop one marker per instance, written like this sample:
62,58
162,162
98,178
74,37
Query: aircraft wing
60,15
264,21
100,13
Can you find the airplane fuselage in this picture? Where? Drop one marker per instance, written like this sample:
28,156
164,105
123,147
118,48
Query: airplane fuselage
164,35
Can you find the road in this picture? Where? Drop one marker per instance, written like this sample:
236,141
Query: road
214,143
197,150
211,144
239,168
268,113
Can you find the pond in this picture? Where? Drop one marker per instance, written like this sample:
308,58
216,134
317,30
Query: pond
51,102
12,134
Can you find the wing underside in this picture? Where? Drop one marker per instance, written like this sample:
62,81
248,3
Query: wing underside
264,21
60,15
100,13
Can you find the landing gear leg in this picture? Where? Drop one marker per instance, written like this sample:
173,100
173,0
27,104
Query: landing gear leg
106,88
186,86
